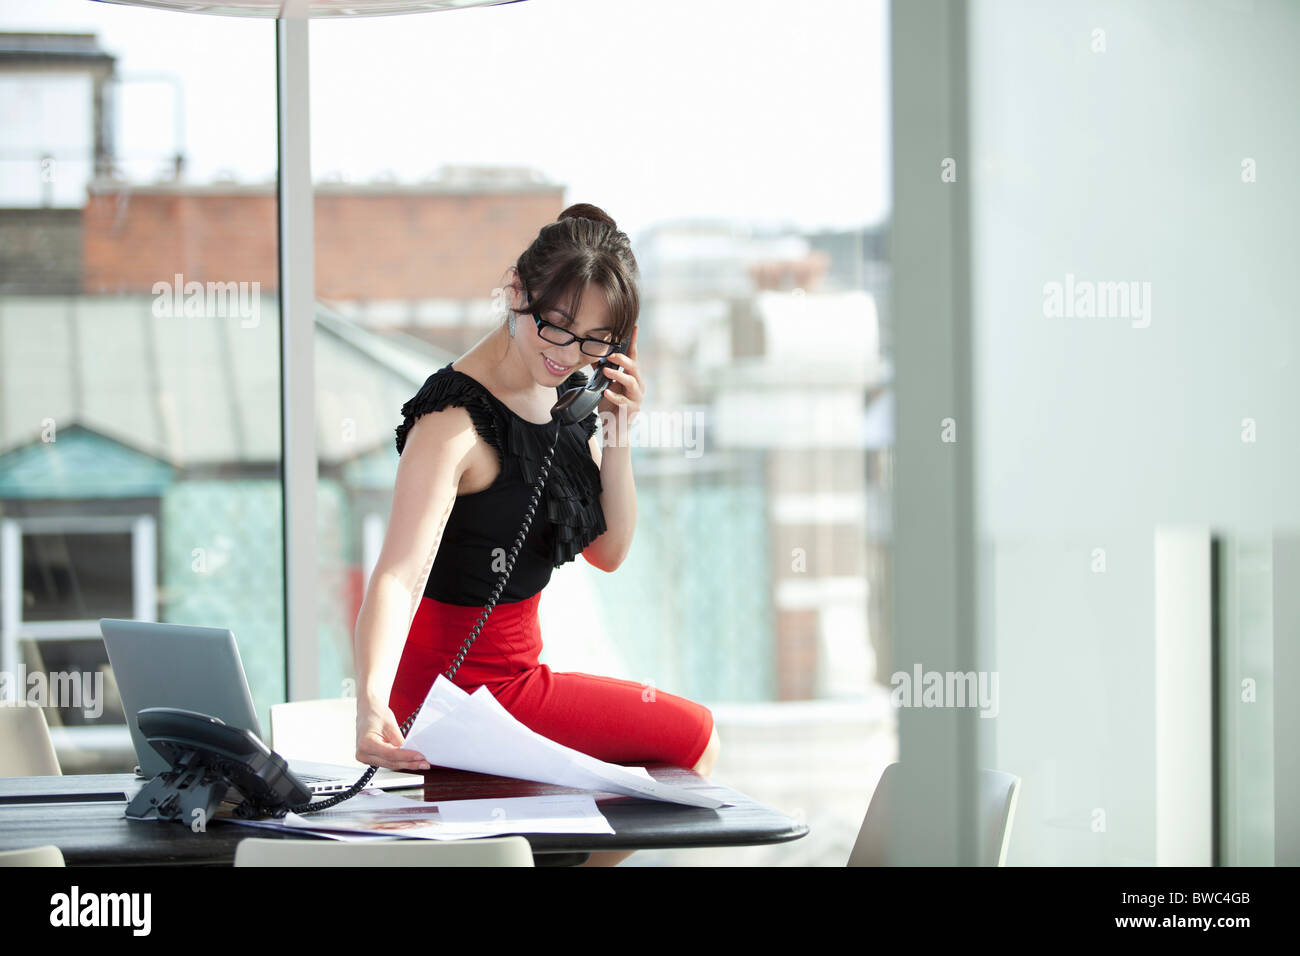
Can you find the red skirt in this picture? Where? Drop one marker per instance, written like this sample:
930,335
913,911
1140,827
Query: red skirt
613,720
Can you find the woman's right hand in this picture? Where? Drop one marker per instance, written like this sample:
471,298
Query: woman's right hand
379,740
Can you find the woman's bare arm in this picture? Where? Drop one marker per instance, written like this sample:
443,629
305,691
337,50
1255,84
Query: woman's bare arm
433,460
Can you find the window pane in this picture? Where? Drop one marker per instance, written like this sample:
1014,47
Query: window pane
749,178
76,576
140,438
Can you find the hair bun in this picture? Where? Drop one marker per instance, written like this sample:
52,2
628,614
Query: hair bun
584,210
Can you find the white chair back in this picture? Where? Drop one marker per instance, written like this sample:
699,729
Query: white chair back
33,856
321,730
26,749
998,792
489,851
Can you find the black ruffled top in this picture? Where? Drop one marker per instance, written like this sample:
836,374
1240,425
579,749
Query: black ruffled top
483,525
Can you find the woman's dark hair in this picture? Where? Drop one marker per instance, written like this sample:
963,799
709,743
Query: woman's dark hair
583,246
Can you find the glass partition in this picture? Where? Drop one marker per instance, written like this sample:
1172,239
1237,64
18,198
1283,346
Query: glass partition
139,394
757,581
1134,381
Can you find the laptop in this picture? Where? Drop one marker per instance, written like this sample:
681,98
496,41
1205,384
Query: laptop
199,669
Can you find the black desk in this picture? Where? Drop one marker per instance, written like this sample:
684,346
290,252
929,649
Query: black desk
97,834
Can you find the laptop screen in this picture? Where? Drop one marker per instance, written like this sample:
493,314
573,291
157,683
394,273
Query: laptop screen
177,665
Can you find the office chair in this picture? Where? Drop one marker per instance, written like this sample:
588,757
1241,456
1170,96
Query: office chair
998,793
321,730
33,856
490,851
26,749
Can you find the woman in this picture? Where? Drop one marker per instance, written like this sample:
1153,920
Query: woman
472,444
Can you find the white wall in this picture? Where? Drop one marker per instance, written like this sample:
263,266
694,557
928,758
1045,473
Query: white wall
1126,165
1095,432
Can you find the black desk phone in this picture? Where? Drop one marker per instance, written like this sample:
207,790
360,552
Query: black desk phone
212,761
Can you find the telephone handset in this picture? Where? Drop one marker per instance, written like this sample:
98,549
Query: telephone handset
209,758
577,403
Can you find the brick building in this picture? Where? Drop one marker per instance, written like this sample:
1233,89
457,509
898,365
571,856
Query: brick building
374,242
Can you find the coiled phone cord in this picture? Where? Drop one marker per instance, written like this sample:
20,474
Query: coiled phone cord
357,787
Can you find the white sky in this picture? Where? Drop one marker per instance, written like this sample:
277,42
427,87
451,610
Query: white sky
759,110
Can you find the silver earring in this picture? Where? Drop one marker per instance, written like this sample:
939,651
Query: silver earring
512,325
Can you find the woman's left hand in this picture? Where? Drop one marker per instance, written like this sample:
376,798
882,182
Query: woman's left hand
626,390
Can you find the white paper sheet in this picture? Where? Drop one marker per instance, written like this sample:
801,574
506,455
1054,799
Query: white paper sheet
474,732
226,815
460,819
327,834
375,815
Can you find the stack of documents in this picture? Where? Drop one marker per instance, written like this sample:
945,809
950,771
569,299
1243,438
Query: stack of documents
474,732
376,815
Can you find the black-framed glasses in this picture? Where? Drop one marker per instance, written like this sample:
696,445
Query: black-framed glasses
557,335
596,348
